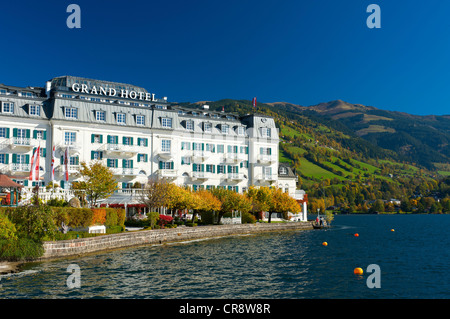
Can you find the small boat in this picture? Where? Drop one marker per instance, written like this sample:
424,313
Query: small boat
315,226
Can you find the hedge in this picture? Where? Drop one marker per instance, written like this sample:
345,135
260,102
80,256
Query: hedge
84,217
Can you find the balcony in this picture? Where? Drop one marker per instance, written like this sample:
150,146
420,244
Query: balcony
125,172
120,149
16,169
266,159
235,177
234,158
166,154
74,148
168,173
73,169
21,143
200,156
266,178
200,175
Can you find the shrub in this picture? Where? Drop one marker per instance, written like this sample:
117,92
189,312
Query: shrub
248,218
80,217
98,216
54,202
164,220
34,222
7,228
22,249
115,216
153,218
207,218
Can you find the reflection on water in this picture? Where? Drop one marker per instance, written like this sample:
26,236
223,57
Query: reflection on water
272,265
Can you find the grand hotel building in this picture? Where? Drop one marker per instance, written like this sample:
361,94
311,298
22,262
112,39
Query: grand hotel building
137,135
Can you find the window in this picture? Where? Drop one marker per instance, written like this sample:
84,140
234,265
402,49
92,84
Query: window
220,148
142,158
240,130
100,116
210,148
190,125
4,132
165,145
71,113
267,172
7,107
127,140
225,129
185,160
96,138
39,135
166,122
127,163
112,163
207,127
4,158
142,141
70,138
221,169
140,120
186,146
265,151
210,168
265,132
165,165
96,155
283,170
35,110
121,118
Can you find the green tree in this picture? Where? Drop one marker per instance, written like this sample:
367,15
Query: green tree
34,222
97,182
7,228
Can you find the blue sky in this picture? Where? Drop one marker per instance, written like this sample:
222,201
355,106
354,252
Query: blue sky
303,52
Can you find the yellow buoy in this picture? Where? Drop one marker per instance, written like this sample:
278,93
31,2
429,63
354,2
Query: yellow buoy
392,229
358,271
325,243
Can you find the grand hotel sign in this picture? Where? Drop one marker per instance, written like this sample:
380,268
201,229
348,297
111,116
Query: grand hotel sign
83,88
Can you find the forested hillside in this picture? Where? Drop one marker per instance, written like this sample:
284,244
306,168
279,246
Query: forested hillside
344,171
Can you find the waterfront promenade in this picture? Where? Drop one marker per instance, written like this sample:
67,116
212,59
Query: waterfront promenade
77,247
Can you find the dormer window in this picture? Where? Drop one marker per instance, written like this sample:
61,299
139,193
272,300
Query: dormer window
71,113
166,122
207,127
35,110
121,118
190,125
265,132
225,129
283,171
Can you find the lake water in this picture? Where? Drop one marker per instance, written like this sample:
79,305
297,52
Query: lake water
413,260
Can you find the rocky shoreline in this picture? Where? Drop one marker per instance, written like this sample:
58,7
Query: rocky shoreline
7,267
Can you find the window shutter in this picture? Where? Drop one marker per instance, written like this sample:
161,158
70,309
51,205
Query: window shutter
14,158
44,152
171,165
35,133
270,151
131,162
6,158
229,168
44,135
27,133
14,132
7,132
203,146
92,155
160,165
124,163
131,141
92,139
116,163
203,167
27,159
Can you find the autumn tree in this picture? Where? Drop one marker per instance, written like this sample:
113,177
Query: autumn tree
260,200
97,181
282,203
156,194
231,201
205,202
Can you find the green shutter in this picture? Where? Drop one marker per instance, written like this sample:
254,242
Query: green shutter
171,165
92,155
203,146
203,167
44,152
131,140
14,132
246,150
7,132
131,162
270,151
229,169
27,159
6,158
92,138
27,133
35,133
45,135
123,140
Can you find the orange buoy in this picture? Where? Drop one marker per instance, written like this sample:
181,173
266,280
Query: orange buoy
325,243
358,271
392,229
356,235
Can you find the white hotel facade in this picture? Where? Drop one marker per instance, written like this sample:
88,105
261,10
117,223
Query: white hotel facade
137,135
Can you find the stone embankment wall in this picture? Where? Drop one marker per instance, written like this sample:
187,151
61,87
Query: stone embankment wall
67,248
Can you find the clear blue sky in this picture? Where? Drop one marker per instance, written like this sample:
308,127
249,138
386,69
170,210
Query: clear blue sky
303,52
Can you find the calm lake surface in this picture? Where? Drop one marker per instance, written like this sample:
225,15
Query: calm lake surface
414,261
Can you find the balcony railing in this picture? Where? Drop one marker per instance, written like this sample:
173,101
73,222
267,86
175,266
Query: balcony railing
266,159
235,176
168,173
16,167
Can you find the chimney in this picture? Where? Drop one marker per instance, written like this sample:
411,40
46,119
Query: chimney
48,86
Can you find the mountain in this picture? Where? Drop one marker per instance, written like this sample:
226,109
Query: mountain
419,139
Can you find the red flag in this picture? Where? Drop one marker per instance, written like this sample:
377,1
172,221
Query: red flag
53,164
254,102
66,163
34,172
